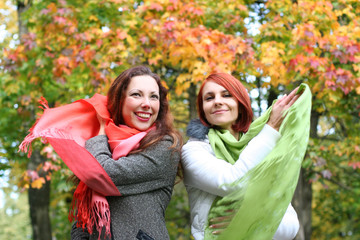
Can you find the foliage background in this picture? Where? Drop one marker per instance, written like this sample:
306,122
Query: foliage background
67,50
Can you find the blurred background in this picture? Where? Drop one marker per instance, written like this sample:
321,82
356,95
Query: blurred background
66,50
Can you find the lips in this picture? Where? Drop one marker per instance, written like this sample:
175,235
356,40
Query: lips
219,111
143,116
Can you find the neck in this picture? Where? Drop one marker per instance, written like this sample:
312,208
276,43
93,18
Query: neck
234,133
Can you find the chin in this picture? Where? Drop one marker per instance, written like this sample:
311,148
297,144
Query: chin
143,128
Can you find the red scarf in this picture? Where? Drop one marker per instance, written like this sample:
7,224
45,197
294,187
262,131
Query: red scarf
67,128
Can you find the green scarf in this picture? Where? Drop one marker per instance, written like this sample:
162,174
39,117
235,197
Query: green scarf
267,189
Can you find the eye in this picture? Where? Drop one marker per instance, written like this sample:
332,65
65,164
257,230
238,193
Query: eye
155,96
135,94
227,95
208,98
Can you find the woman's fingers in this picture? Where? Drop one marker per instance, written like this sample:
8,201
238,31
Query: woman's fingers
221,219
102,123
277,114
293,100
219,225
217,232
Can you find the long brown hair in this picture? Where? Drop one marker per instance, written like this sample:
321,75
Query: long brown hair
237,90
164,126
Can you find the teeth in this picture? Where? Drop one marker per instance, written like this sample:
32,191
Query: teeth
143,115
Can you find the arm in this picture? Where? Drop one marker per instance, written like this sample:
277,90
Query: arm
204,171
77,233
289,225
150,169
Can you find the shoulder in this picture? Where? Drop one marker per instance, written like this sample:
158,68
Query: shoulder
196,130
163,148
166,140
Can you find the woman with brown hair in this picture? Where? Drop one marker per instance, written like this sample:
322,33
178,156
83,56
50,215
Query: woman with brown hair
128,169
224,147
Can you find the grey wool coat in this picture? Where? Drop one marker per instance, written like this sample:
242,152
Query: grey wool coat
145,181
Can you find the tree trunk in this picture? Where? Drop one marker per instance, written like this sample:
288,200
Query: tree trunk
192,101
39,199
303,194
22,6
302,204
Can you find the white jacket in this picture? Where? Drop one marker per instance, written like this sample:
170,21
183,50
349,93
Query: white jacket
205,176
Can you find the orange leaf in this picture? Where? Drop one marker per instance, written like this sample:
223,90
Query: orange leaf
38,183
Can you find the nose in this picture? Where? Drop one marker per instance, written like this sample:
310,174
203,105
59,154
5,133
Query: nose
218,100
145,103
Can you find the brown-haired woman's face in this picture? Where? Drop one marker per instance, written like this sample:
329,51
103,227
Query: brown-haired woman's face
142,103
220,107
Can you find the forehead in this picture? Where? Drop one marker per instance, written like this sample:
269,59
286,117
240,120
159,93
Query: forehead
143,83
212,87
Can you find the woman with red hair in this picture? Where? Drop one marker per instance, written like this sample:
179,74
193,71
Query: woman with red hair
215,156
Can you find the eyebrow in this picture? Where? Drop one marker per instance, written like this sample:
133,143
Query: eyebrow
211,92
136,89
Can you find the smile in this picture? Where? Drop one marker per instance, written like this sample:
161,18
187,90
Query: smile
144,116
219,111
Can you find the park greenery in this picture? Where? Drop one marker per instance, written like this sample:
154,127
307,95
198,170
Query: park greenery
66,50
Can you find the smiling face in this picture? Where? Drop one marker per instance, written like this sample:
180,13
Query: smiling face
141,103
220,107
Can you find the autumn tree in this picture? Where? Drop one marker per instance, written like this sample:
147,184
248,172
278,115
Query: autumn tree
317,42
62,59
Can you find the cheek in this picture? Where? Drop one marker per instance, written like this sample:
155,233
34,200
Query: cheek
206,109
126,114
127,109
156,108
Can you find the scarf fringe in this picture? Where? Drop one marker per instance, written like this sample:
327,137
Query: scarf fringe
89,214
25,145
100,217
44,103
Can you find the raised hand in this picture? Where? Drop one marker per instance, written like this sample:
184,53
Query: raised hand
219,224
277,114
102,123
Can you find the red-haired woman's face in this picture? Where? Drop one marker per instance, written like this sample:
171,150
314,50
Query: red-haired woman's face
142,103
220,107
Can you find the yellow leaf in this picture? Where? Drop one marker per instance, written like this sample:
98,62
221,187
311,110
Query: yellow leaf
180,88
38,183
52,7
358,90
93,18
182,78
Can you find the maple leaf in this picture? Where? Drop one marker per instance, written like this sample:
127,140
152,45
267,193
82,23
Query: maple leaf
156,6
32,174
38,183
337,53
60,20
169,25
144,39
45,11
198,11
354,165
309,34
314,63
352,49
52,7
330,74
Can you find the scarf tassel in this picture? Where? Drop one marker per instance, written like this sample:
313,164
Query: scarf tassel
99,215
25,145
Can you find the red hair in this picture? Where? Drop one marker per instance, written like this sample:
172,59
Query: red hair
237,90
